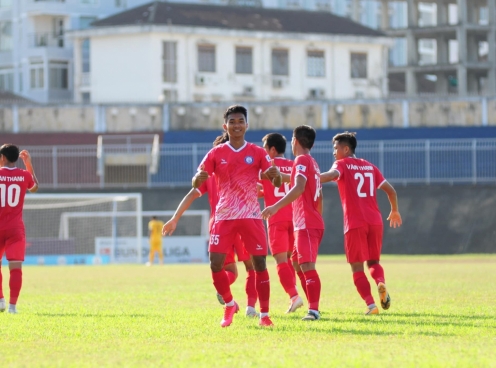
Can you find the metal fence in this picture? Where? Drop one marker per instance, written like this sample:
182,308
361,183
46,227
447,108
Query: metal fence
450,161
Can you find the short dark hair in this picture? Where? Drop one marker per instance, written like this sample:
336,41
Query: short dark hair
235,109
10,151
221,139
276,140
305,135
347,138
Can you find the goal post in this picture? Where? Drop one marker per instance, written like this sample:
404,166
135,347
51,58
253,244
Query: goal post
105,228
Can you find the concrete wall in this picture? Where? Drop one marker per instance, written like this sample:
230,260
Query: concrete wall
345,114
436,219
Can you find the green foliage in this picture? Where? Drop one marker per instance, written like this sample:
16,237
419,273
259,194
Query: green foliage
442,314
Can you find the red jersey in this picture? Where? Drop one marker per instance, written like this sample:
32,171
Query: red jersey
14,183
273,194
209,186
357,183
236,174
305,207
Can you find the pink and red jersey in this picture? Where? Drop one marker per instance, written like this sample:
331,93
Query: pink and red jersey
305,207
14,183
209,186
236,174
357,183
273,194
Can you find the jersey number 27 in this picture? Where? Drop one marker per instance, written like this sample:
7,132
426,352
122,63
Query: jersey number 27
361,180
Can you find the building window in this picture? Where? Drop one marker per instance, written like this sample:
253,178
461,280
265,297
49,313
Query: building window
5,36
120,3
37,76
85,56
358,63
280,62
59,75
244,60
206,58
169,61
6,79
315,64
85,22
85,97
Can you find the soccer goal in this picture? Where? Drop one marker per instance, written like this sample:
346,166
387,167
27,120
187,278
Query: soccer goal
104,228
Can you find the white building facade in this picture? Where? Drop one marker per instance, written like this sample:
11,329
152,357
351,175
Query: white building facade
149,63
35,54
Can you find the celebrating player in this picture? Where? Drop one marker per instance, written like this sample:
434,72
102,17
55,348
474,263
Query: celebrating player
280,229
14,183
236,165
155,235
306,196
357,182
210,187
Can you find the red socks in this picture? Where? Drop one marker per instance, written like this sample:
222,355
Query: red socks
1,290
293,272
221,283
363,287
377,273
287,279
263,290
313,289
231,276
303,282
251,289
15,284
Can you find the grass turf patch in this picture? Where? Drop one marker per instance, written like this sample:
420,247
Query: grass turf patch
442,314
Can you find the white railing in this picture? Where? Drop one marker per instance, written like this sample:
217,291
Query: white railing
448,161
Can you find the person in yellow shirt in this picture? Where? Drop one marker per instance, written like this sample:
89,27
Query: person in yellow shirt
155,235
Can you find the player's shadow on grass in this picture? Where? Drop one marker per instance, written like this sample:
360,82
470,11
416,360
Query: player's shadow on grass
435,315
95,315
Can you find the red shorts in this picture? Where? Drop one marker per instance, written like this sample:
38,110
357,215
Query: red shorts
239,249
307,244
363,243
251,231
281,237
13,244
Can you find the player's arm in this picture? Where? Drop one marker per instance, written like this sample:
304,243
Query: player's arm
260,191
273,174
328,176
320,204
291,196
394,216
170,226
199,177
26,158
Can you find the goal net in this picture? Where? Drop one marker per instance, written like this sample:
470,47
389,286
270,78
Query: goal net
104,228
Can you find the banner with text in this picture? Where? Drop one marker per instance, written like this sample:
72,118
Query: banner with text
177,249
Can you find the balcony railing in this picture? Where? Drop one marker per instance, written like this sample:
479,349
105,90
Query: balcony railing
444,161
46,39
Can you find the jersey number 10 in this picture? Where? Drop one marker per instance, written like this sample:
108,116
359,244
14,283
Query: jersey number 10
9,195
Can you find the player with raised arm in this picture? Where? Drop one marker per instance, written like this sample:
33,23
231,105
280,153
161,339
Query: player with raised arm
14,183
306,198
210,187
155,240
280,226
236,165
358,181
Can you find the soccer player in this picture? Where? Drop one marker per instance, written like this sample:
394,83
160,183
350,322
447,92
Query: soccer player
280,226
236,165
357,181
306,198
230,268
155,240
14,183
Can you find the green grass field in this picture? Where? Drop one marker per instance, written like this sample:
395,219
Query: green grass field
443,314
